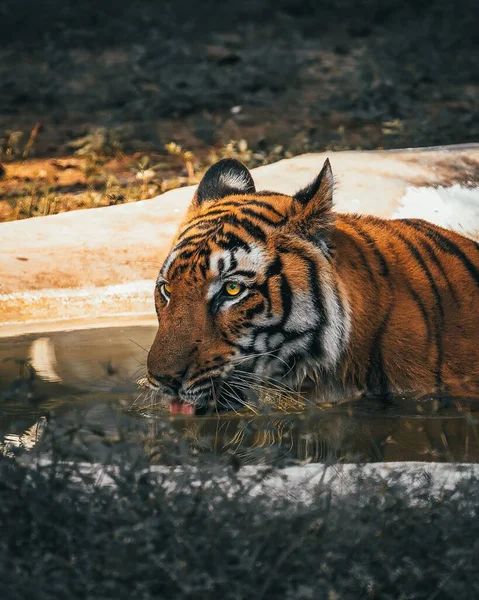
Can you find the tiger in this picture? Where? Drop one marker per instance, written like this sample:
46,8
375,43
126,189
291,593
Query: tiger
264,286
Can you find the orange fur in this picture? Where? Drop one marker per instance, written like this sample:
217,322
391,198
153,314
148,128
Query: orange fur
428,304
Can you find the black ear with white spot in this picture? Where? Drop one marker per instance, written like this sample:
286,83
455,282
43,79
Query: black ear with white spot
225,178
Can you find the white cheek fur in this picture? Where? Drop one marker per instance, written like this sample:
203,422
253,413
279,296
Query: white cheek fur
228,303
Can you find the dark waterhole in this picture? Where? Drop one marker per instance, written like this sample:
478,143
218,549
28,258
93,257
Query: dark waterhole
89,377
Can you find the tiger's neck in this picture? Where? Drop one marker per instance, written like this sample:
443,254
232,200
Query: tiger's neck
362,273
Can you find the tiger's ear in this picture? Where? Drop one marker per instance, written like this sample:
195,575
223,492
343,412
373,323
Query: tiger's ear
313,215
224,178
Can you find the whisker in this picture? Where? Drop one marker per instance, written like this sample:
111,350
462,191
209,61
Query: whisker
140,369
233,394
266,392
143,395
227,395
139,345
256,384
215,394
268,380
271,353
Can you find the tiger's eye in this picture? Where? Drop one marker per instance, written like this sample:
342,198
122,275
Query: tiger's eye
232,288
166,289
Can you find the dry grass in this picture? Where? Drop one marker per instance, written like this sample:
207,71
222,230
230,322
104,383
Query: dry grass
100,174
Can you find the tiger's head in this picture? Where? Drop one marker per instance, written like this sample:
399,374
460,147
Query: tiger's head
247,291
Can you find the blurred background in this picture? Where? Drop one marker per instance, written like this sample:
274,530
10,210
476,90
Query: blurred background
109,102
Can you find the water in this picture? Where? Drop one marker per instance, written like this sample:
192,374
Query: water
89,377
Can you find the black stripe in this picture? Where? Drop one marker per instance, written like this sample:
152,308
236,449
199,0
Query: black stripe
236,346
274,268
438,307
377,381
432,255
206,218
221,265
317,343
191,240
267,206
205,222
252,202
186,255
423,310
384,269
230,241
182,263
445,244
317,297
286,298
201,225
316,291
248,226
364,262
234,263
203,268
201,375
250,313
263,289
177,269
262,217
243,273
413,249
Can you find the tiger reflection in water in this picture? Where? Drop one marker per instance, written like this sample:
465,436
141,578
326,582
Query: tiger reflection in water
432,430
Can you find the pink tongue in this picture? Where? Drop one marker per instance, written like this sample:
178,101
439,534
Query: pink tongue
180,408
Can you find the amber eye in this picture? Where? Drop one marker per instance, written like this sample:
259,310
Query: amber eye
232,288
165,289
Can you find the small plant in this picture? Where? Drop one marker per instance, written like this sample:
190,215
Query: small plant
240,150
100,142
186,156
144,170
393,127
38,201
31,141
11,146
92,168
113,191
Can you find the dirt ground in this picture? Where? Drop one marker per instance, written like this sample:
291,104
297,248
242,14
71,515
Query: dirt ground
92,93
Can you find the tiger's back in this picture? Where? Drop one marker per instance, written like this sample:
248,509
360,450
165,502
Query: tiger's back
414,287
